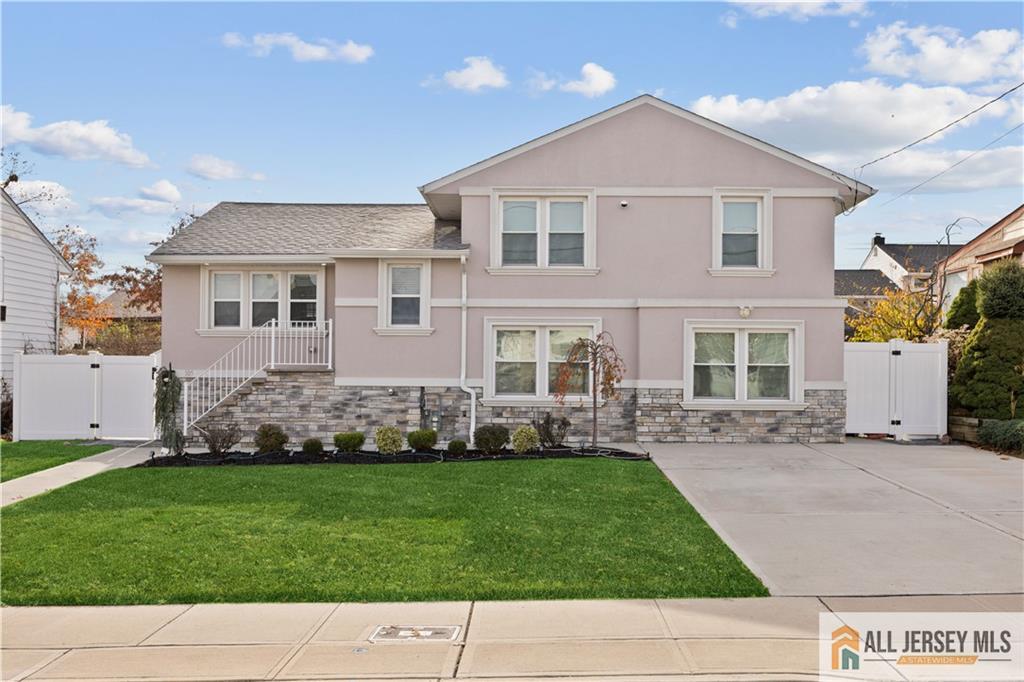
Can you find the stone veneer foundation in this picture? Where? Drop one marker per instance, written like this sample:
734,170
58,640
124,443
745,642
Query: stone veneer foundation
307,404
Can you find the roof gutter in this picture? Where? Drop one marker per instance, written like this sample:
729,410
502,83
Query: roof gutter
303,258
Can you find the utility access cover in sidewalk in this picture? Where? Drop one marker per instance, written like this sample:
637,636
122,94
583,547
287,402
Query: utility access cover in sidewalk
414,633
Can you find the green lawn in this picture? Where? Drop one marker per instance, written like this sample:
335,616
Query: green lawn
485,530
30,456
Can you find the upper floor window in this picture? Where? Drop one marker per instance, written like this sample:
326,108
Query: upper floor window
227,299
302,295
250,297
742,233
543,234
265,295
403,298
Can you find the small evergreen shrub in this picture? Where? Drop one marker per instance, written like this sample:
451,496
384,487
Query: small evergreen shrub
1005,434
990,378
457,447
525,439
963,311
349,442
1001,291
490,438
270,438
220,439
552,430
389,440
312,446
422,439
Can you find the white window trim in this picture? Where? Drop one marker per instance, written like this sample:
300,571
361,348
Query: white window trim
205,323
384,328
764,234
242,297
252,299
797,384
540,324
543,197
285,319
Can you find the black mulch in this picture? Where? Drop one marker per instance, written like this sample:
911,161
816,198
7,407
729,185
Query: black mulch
368,457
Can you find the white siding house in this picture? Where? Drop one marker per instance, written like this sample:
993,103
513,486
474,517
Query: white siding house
30,271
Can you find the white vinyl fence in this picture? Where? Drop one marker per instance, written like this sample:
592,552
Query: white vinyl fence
896,388
84,396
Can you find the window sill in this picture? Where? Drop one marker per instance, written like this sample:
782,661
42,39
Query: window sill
400,331
740,272
570,401
728,406
562,271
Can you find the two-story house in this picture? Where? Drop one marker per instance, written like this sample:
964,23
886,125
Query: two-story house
706,253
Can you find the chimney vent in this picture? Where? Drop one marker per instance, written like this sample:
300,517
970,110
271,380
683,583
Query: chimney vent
878,239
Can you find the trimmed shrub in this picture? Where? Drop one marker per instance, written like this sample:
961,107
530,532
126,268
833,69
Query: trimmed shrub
963,311
313,446
349,442
422,439
457,447
1003,434
389,440
270,438
552,430
490,438
1001,291
220,439
525,439
990,378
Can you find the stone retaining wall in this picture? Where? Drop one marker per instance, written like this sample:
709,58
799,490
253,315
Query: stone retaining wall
308,404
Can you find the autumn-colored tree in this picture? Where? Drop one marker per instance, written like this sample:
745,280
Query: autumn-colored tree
908,315
599,358
144,285
80,306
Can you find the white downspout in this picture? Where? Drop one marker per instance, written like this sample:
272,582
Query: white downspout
464,304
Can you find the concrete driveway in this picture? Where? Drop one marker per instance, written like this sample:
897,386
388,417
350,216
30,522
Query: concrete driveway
861,518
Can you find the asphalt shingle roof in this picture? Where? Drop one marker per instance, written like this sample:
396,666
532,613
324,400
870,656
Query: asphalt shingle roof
248,228
853,283
919,257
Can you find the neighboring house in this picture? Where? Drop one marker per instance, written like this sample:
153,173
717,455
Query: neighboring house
706,253
909,266
1005,239
860,288
117,309
30,272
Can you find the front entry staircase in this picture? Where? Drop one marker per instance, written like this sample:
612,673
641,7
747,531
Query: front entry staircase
295,346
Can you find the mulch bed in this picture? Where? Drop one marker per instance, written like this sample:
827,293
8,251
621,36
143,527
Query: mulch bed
370,457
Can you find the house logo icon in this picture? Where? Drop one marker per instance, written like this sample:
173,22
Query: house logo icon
845,649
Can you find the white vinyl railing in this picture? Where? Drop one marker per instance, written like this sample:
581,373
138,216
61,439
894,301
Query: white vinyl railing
270,346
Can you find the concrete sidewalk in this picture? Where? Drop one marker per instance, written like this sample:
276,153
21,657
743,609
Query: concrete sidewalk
667,639
64,474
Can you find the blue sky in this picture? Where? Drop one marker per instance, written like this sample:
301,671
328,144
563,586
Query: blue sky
132,113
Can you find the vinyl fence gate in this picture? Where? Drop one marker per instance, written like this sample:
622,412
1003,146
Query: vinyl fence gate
84,396
896,388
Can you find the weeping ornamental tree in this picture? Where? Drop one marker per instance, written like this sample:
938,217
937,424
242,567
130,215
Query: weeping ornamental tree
990,377
591,366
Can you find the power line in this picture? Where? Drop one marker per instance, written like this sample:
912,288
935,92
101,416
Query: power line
966,158
945,127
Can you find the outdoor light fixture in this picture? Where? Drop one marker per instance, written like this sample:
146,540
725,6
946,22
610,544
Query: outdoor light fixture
745,311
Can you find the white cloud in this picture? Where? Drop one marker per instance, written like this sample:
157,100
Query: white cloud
540,82
133,236
115,206
322,50
730,19
801,11
45,197
161,190
71,139
480,73
941,55
211,167
849,118
595,81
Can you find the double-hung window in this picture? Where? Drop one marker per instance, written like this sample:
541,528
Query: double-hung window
526,357
742,240
227,299
404,286
301,298
554,234
265,294
403,305
747,364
